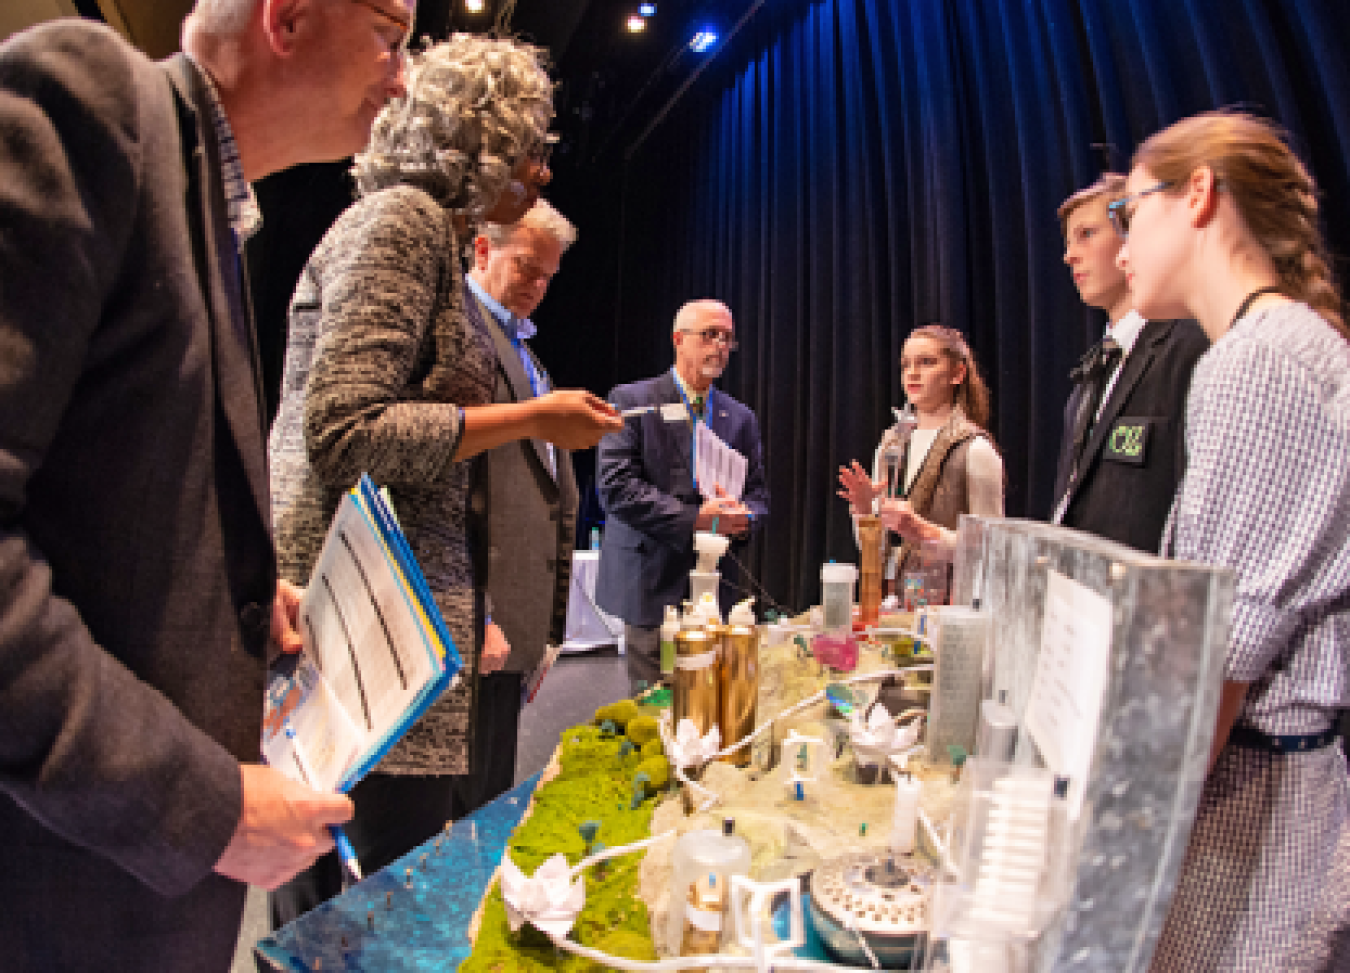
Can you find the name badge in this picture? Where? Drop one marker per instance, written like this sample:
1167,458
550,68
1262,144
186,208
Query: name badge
674,412
1128,441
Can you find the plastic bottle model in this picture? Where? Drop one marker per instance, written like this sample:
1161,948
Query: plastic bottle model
669,627
702,863
836,595
906,817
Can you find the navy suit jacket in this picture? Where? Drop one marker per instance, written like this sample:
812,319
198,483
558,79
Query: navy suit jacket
646,486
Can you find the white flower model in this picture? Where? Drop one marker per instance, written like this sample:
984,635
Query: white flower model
688,749
549,900
875,737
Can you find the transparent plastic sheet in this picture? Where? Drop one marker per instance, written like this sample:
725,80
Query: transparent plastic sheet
1168,635
1011,849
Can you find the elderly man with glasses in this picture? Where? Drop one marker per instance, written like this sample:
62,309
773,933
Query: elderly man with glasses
140,593
646,479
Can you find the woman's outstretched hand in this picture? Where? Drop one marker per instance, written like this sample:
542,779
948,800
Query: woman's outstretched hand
857,487
574,418
898,516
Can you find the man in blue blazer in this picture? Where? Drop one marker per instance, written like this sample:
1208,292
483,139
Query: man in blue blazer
645,478
138,586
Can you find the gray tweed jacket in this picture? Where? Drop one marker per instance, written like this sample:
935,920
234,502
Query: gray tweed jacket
380,357
532,520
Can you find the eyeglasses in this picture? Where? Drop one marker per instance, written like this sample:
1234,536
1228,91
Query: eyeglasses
396,43
531,271
1120,216
709,335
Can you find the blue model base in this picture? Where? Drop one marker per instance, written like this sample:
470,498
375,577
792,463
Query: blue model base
383,926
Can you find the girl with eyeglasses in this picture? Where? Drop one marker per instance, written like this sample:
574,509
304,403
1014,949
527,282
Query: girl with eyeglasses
1222,226
945,464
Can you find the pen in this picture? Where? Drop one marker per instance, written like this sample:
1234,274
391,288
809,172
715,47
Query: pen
341,842
345,851
640,410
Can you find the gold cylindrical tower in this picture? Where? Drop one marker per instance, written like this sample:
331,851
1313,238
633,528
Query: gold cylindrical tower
695,681
738,676
872,556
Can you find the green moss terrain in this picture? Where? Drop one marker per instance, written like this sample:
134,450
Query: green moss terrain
595,784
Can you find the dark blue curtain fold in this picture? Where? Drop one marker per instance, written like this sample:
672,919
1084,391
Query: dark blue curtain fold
848,170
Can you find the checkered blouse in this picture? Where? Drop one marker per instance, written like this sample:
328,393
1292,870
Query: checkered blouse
1267,492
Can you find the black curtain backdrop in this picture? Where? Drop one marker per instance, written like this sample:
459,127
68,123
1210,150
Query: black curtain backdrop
848,170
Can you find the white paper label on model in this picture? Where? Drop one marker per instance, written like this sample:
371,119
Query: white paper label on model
1071,672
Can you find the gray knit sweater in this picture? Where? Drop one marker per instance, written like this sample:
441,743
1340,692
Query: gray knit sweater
379,359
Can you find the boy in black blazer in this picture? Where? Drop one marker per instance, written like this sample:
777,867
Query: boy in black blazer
1123,450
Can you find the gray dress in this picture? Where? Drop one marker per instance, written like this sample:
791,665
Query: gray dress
380,358
1267,493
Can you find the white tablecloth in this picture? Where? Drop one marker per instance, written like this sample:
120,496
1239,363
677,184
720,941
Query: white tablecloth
587,626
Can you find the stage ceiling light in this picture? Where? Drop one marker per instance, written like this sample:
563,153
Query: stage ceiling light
703,40
647,9
636,24
474,6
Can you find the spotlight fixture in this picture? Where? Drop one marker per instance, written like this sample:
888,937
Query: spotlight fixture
703,40
474,6
647,9
636,24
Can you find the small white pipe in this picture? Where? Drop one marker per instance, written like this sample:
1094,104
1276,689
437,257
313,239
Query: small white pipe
706,961
817,698
608,853
712,797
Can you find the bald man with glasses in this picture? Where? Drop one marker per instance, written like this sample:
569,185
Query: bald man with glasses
646,480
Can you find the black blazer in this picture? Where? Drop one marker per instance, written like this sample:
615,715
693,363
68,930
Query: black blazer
1136,454
136,564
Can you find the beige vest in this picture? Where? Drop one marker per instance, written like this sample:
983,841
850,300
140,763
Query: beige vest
939,492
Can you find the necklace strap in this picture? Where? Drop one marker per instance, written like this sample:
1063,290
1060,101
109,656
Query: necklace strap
1246,305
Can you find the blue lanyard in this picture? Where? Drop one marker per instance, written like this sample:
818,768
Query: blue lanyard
694,420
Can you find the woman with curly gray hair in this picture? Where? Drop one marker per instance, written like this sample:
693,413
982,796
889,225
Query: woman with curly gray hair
386,375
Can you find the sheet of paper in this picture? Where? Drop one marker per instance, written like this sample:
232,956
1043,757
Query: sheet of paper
369,657
736,473
717,464
1071,672
306,734
355,610
703,461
